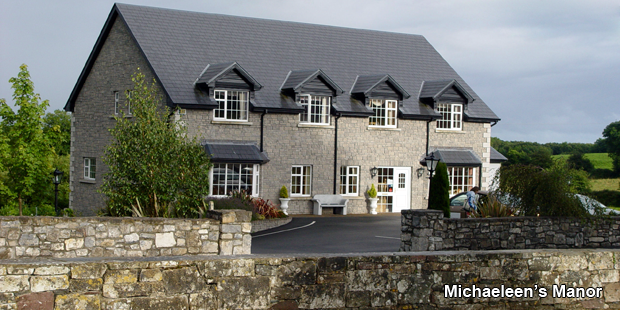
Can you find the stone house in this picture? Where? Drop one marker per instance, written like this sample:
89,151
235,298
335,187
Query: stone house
319,109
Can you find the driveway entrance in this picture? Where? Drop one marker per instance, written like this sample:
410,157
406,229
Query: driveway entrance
331,234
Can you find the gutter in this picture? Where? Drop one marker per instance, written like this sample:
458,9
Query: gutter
262,125
336,152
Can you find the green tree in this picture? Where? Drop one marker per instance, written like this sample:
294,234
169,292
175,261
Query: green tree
152,165
611,140
578,161
27,154
57,129
439,196
534,191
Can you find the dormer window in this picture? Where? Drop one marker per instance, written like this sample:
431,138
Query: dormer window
232,105
316,109
451,116
314,93
449,99
385,113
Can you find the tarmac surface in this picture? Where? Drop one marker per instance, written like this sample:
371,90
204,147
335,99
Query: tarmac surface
331,234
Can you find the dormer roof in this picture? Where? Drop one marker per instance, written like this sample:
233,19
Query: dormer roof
300,81
432,91
366,84
213,73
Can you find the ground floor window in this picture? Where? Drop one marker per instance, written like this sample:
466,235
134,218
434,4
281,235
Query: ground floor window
226,178
461,179
349,180
301,180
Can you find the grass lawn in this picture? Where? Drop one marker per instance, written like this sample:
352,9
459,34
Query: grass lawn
599,160
603,184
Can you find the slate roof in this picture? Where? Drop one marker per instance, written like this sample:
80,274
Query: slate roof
366,83
456,157
229,152
213,71
179,44
497,157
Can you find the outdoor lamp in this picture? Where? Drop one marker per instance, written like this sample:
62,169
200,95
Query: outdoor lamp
373,172
431,162
56,180
420,172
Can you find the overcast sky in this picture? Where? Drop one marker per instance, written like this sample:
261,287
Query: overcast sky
549,69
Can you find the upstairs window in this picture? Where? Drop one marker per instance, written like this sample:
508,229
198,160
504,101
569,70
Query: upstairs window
385,113
451,116
116,101
316,109
232,105
90,167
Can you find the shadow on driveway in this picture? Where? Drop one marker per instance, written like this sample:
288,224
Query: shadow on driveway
331,234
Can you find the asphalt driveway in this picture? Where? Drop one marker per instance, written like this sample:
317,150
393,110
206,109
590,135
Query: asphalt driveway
331,234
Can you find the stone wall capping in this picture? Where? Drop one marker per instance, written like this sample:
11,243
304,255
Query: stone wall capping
226,232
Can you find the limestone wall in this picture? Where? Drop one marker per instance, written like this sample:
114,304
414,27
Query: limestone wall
428,230
226,232
382,281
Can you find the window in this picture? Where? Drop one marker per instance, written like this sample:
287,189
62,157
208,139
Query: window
461,179
116,107
232,105
129,95
349,180
234,177
316,109
90,167
385,113
451,116
301,177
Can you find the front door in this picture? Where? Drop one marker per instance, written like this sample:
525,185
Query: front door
393,189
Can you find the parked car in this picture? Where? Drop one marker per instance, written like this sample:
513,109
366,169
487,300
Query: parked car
593,206
458,201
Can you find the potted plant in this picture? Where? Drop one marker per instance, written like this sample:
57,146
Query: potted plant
372,198
284,199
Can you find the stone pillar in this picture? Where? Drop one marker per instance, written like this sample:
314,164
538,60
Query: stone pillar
235,228
421,230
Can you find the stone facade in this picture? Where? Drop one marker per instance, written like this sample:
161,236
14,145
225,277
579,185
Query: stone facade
545,279
226,233
93,114
428,230
286,141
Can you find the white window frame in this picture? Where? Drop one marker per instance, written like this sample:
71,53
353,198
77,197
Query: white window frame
116,103
463,173
381,105
451,116
304,189
90,168
225,105
349,176
227,166
311,103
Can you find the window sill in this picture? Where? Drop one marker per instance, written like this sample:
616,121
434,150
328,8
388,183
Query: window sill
87,181
353,197
383,128
450,131
242,123
309,125
300,197
119,115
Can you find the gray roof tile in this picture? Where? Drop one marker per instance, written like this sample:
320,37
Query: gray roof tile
179,44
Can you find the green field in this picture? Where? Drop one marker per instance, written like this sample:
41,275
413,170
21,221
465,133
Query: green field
599,160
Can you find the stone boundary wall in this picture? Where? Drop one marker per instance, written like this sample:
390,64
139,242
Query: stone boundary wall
377,281
226,232
428,230
269,224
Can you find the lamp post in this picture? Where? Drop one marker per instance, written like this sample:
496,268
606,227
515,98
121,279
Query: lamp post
56,180
431,164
